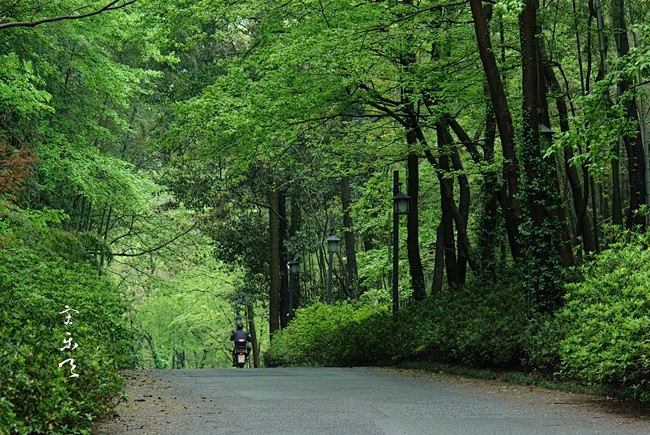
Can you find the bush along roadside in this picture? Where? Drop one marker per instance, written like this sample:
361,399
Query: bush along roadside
333,335
63,340
600,338
606,321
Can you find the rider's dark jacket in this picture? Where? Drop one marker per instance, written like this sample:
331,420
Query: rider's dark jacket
240,334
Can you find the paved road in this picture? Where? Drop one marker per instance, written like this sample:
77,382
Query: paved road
356,401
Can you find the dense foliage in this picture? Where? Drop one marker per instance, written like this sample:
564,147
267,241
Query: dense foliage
607,320
480,324
38,280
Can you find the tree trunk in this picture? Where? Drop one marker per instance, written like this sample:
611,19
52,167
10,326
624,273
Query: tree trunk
350,243
531,103
503,116
413,219
274,263
154,355
252,330
617,207
284,278
413,224
439,263
447,192
490,193
446,199
463,207
633,145
488,239
541,195
294,228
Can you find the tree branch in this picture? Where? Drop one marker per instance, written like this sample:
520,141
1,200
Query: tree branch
159,247
108,7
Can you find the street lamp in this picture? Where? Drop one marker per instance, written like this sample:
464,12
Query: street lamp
294,283
545,130
401,203
547,133
333,245
400,207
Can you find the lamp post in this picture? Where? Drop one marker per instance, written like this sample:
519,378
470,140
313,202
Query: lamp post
294,283
333,245
400,207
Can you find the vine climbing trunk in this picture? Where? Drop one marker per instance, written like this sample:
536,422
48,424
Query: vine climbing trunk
546,225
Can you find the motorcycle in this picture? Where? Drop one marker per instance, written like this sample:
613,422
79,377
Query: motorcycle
240,357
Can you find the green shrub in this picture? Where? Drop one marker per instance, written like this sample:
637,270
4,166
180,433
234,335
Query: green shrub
333,335
36,395
542,341
608,318
480,324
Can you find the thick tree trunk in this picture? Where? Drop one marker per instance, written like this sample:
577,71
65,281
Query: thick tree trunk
413,218
488,240
531,105
542,197
549,202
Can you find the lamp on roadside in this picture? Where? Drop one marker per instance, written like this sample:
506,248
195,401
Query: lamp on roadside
400,207
333,245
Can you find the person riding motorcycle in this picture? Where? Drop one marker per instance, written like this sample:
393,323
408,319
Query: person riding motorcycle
240,334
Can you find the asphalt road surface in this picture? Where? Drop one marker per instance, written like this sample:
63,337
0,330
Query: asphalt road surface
356,401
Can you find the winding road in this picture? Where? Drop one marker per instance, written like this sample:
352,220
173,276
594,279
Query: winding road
356,401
